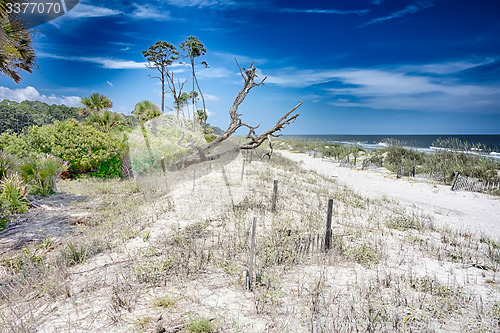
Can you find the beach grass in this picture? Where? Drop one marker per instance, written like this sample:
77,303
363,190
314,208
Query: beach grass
390,268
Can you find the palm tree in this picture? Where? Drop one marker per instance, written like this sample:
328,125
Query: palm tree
146,110
95,103
16,50
105,120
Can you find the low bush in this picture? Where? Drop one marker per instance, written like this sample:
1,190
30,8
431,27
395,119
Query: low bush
41,171
86,149
13,194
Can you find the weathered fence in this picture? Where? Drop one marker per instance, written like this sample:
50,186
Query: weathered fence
367,165
346,163
464,183
439,176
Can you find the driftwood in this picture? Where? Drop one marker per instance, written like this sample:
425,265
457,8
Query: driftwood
253,140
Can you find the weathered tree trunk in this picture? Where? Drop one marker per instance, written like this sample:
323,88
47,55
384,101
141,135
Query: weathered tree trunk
254,140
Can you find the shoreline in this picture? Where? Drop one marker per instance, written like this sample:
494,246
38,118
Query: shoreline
475,212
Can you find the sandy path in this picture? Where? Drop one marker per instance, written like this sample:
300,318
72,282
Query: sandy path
476,212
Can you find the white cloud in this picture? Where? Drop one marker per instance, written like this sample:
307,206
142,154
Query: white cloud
209,97
31,94
201,3
114,63
410,9
82,10
323,11
110,84
150,12
213,72
108,63
425,88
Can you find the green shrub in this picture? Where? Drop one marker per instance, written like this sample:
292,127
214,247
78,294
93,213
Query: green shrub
200,325
13,194
14,144
85,148
40,172
6,164
210,137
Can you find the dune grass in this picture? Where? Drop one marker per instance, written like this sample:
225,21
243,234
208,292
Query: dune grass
390,269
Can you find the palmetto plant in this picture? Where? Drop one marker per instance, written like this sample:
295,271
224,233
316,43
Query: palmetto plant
41,171
6,164
13,193
95,103
105,120
16,50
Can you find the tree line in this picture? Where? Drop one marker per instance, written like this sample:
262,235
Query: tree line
16,116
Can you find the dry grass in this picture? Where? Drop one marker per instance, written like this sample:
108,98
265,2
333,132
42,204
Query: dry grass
152,256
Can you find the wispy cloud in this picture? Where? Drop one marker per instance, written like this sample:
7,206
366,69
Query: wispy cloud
82,10
210,97
150,12
214,72
430,87
323,11
243,60
203,3
109,63
31,94
410,9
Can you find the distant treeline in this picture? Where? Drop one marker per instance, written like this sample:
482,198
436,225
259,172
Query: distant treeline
16,116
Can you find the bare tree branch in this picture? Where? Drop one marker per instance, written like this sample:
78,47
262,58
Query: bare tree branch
249,75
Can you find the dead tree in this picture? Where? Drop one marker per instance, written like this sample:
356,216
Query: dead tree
253,140
270,152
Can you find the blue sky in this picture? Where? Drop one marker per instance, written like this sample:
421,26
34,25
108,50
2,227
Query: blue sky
360,66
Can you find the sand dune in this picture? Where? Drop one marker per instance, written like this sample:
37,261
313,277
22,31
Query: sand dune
476,212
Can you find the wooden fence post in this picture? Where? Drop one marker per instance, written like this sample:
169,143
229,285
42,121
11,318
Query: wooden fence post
275,194
454,183
242,170
252,252
399,171
194,177
328,234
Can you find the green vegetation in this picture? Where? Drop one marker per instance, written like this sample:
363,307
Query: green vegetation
327,149
86,149
165,301
16,50
95,103
145,111
13,194
455,156
451,160
18,116
200,325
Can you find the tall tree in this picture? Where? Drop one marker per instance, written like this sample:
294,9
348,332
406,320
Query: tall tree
160,56
16,50
194,49
95,103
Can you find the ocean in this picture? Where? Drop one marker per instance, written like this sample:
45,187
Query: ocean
423,143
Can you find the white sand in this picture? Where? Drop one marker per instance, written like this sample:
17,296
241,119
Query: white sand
475,212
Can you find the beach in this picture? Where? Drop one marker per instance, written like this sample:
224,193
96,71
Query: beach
476,212
170,252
